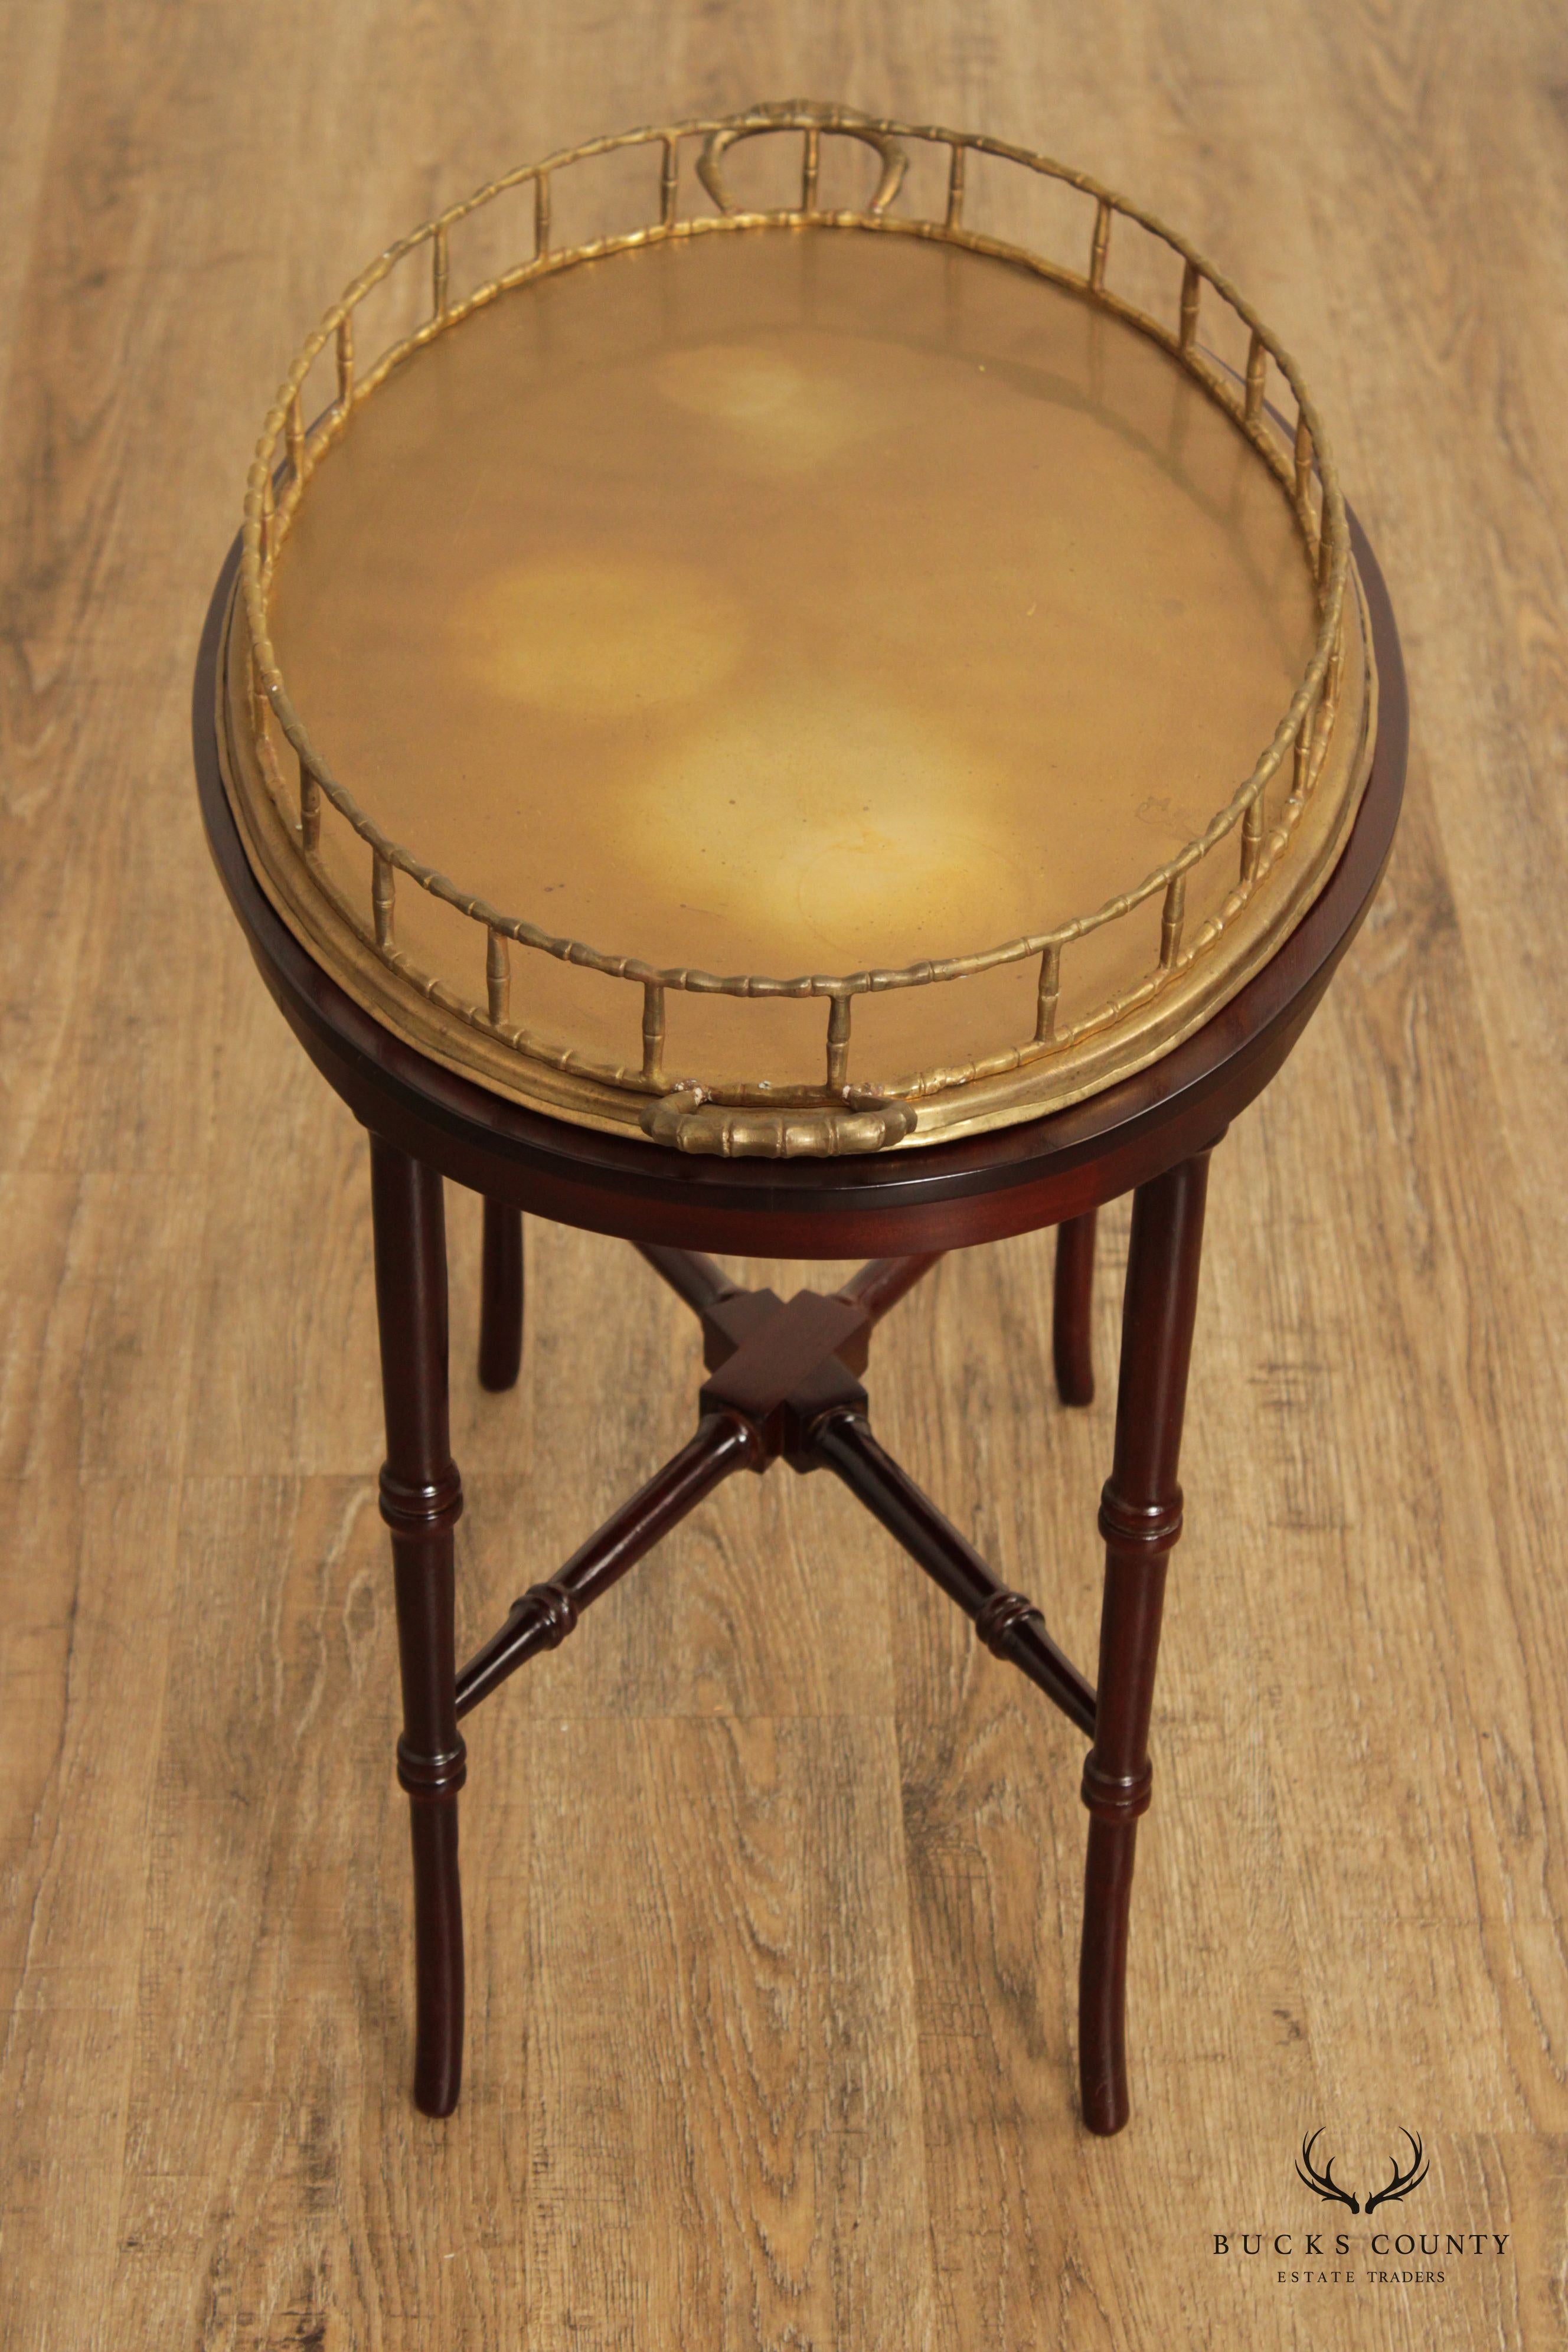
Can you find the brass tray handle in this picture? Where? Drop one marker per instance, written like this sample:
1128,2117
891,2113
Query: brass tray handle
811,119
683,1120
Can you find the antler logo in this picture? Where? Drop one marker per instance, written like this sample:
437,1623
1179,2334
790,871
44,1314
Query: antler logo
1325,2186
1323,2182
1402,2183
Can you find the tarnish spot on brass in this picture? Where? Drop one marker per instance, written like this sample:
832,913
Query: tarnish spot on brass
821,804
597,637
779,419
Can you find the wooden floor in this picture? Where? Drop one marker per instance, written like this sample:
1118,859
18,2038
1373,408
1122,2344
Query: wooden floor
773,1875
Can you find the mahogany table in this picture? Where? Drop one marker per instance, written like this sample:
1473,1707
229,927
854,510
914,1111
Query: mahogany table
784,1376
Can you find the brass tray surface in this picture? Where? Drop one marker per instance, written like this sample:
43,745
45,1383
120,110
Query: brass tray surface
806,687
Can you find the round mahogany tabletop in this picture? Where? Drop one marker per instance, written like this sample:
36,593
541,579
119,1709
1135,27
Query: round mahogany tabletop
934,1197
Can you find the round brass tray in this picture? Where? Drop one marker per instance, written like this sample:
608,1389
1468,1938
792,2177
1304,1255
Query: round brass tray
932,680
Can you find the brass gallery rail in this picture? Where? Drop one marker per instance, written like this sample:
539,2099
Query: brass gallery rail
291,446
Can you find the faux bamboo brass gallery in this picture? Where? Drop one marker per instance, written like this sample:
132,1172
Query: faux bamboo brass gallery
824,559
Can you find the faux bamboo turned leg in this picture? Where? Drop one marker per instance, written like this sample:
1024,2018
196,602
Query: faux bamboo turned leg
421,1498
1141,1520
500,1296
1072,1316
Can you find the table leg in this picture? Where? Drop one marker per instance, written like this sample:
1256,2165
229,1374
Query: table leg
421,1498
500,1296
1072,1309
1141,1520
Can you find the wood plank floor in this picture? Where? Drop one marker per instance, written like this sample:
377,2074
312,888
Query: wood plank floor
772,1876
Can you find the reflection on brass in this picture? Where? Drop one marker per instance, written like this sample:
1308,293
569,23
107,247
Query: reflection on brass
808,579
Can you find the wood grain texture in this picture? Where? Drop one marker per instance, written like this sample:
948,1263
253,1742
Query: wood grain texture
773,1875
